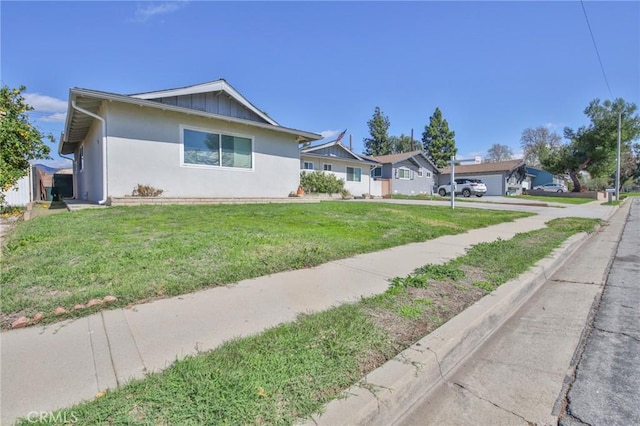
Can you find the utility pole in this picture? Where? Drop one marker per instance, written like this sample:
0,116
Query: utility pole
618,162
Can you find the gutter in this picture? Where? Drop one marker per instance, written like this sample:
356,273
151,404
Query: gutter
104,148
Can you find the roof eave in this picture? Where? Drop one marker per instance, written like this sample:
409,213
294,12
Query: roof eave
74,93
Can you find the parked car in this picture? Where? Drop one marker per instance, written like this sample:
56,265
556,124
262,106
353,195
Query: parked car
466,187
551,187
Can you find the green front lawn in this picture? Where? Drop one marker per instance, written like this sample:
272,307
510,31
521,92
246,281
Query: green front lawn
145,252
290,371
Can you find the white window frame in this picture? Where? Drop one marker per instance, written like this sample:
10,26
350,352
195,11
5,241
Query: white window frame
327,167
220,133
420,173
428,173
401,172
354,174
305,165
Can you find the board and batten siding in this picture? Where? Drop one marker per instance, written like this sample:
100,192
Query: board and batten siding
213,102
145,147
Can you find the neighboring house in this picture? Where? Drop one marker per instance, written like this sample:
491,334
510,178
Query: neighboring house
407,173
202,141
335,158
501,178
537,177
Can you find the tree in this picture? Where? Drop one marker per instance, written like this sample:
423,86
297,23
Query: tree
498,153
438,140
404,143
20,141
535,142
378,143
593,148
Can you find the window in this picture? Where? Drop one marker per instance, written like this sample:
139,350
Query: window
307,165
327,167
404,173
377,172
428,173
354,174
216,149
420,172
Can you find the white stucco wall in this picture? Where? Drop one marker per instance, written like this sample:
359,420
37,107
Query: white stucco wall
144,147
88,180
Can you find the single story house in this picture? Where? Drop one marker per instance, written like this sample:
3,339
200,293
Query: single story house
536,176
501,178
201,141
333,157
406,173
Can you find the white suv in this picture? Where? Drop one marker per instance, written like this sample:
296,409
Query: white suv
466,187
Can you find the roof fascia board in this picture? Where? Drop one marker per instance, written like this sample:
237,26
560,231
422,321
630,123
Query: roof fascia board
214,86
152,104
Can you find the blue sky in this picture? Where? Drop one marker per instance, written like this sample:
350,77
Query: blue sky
493,68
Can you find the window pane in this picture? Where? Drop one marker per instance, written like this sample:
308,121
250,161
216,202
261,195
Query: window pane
201,148
353,174
236,152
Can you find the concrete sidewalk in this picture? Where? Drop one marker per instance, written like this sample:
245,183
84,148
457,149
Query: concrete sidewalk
46,368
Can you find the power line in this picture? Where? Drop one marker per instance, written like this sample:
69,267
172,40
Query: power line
596,47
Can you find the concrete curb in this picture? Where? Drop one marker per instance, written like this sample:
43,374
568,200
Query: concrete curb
386,393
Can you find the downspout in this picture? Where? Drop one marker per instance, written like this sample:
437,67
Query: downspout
104,149
73,164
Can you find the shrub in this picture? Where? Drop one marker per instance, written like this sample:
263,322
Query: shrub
321,183
146,191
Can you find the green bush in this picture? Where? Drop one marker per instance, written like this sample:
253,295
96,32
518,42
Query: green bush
321,183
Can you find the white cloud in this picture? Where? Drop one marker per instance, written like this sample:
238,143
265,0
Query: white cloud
50,110
153,9
552,125
329,133
43,103
54,118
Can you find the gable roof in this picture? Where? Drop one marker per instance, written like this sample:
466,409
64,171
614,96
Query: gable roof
212,86
402,156
312,151
78,122
502,166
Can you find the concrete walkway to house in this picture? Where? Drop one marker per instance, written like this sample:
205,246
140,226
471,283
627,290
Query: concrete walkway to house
46,368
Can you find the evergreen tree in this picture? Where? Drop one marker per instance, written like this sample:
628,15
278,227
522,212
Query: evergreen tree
379,142
439,142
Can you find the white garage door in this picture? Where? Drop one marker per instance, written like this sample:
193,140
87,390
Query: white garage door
495,183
